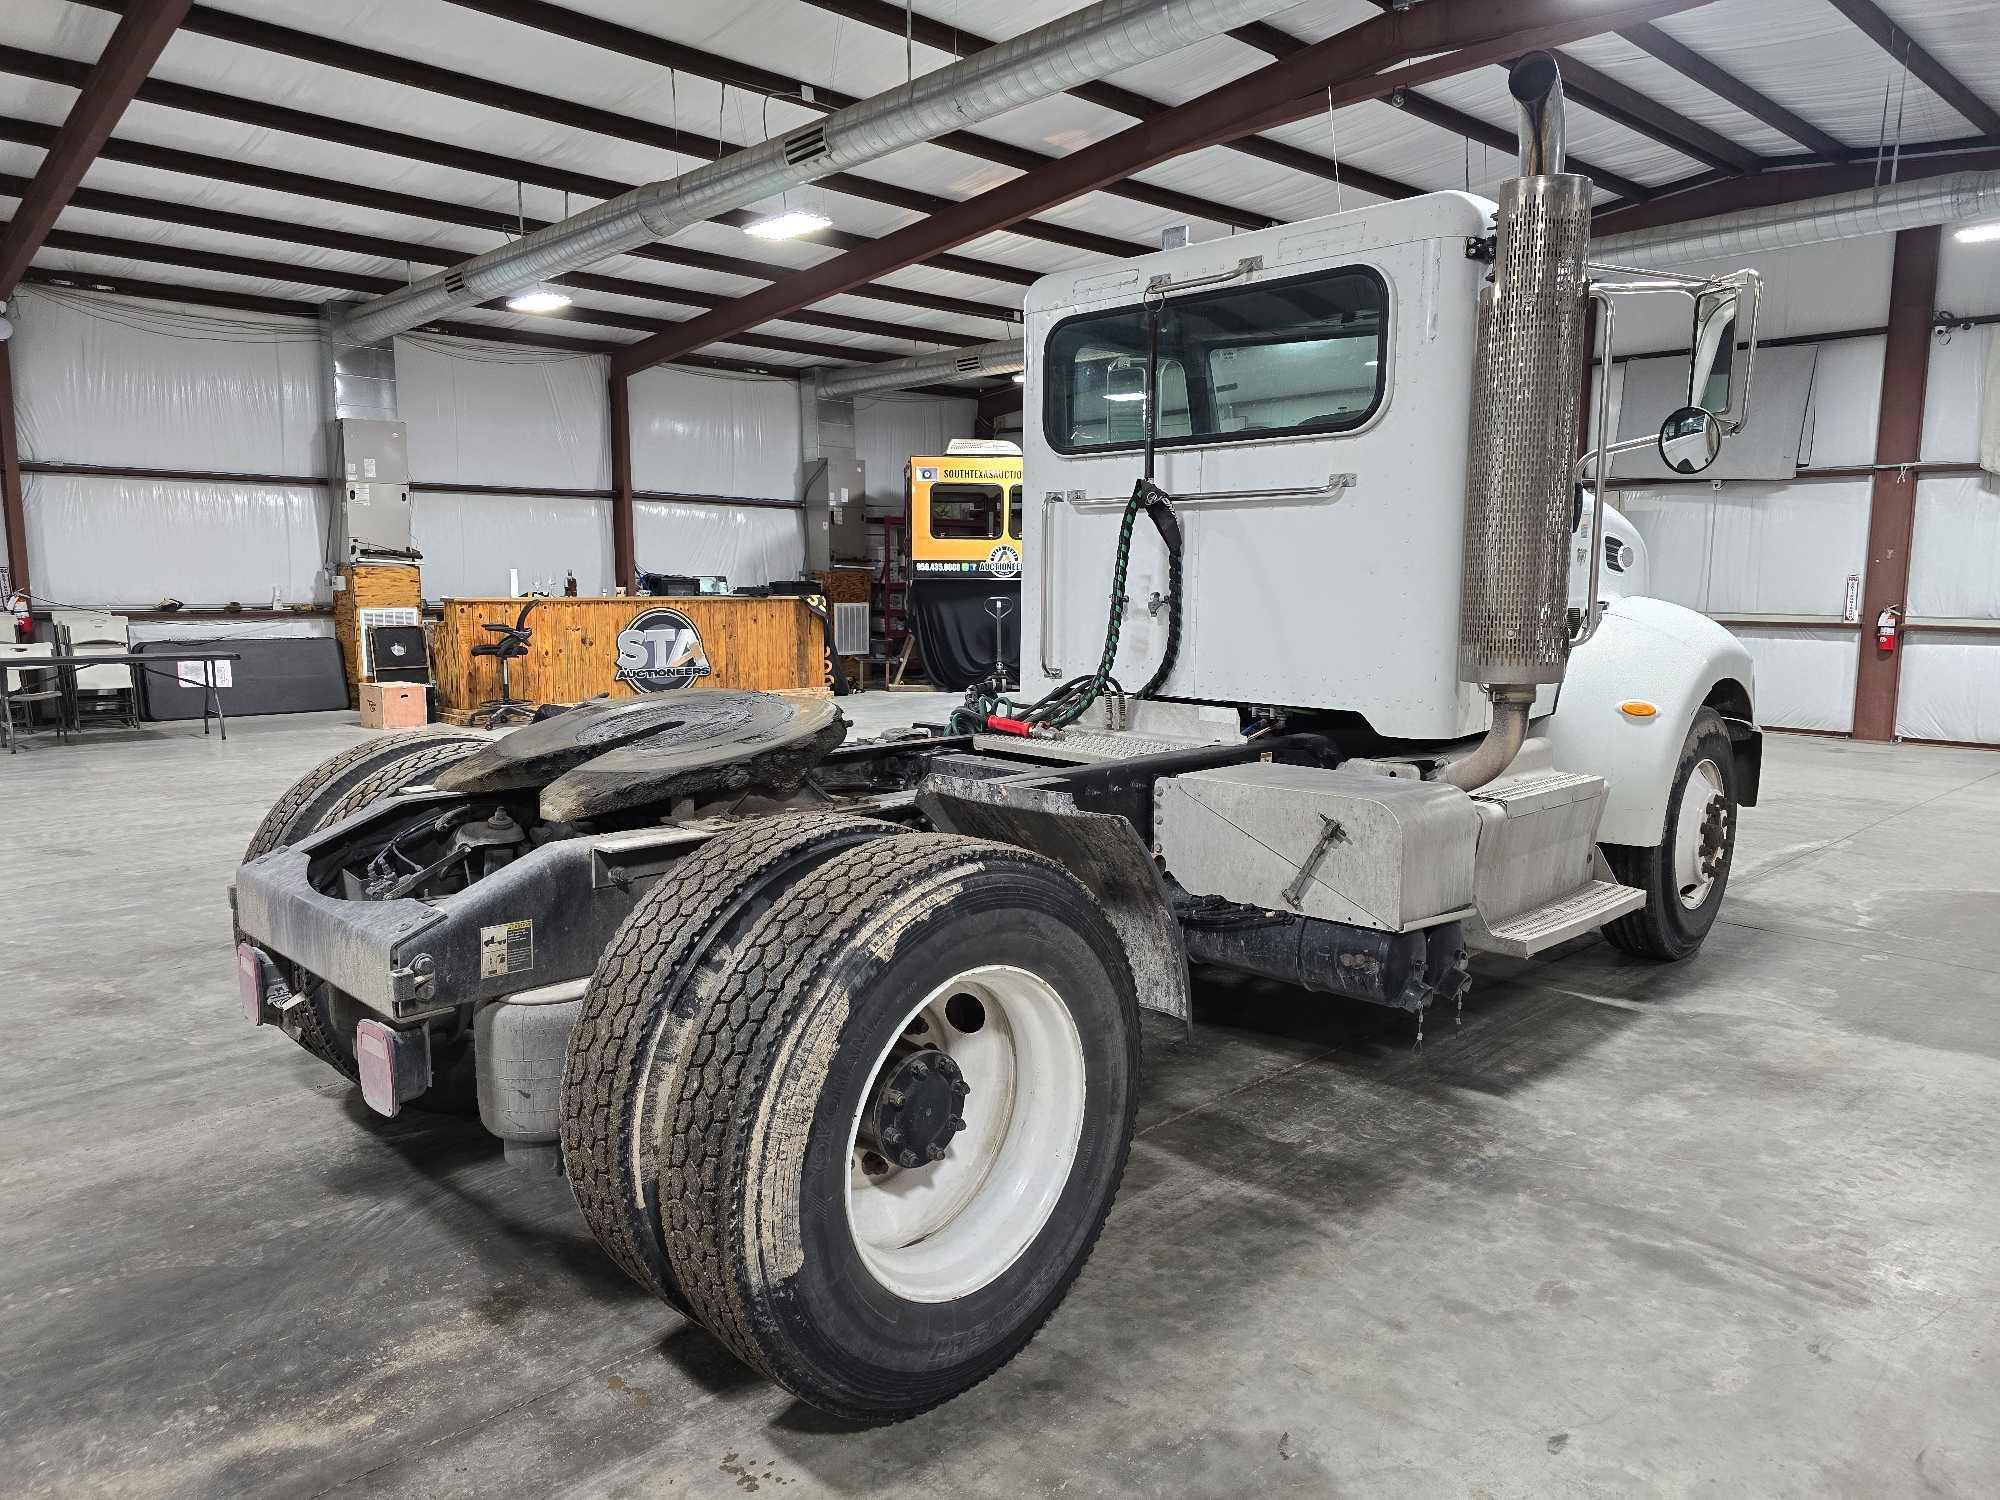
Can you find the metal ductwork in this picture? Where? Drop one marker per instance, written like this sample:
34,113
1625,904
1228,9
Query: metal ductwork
1099,40
1002,358
1957,199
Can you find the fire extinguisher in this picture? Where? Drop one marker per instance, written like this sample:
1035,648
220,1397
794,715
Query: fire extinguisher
1885,629
21,607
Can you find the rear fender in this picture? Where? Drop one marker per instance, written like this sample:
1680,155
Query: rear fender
1678,661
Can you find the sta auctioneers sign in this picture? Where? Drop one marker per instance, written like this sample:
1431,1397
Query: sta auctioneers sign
660,650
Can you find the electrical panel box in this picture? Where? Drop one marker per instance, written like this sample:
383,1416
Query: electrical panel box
372,465
836,522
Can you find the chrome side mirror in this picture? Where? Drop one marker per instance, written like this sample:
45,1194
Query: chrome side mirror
1690,440
1714,344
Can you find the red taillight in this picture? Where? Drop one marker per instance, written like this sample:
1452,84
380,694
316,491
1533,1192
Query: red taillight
250,982
395,1065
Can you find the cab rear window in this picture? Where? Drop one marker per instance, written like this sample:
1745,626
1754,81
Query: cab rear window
1303,355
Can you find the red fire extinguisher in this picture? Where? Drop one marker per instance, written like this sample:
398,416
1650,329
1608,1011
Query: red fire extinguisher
1885,630
21,608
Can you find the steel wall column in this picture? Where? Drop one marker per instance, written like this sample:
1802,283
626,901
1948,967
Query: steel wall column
623,562
10,478
1899,436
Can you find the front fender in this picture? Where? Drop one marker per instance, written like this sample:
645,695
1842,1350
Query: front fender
1670,657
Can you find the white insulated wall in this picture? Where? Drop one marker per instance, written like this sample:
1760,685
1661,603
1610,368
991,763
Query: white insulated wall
890,428
111,382
1742,548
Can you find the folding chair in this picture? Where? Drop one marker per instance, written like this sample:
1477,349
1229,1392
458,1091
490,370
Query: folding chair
23,684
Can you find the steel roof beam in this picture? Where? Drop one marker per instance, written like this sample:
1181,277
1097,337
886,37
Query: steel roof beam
472,216
108,85
1711,193
419,148
1934,75
305,46
154,253
1690,64
1605,95
1269,39
643,46
161,211
285,307
1433,40
941,37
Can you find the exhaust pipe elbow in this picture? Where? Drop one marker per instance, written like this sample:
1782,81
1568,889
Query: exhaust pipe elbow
1535,81
1503,742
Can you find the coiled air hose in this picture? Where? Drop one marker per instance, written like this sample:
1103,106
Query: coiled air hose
987,707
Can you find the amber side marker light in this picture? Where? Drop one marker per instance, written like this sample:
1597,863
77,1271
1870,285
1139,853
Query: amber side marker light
1638,708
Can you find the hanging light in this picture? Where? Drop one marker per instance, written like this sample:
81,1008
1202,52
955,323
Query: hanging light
1979,234
538,299
788,224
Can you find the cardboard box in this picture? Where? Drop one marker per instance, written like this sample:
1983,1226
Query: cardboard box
394,705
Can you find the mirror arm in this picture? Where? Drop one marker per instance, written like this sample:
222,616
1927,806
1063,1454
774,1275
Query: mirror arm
1607,317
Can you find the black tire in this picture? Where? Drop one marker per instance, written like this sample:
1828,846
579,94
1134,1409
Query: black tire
640,999
767,1080
308,804
1665,927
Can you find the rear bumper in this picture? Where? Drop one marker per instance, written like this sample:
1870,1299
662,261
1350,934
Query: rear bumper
541,920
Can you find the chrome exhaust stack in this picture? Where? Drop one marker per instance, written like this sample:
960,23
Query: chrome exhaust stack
1514,630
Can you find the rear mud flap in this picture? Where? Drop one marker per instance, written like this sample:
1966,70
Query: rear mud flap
1099,849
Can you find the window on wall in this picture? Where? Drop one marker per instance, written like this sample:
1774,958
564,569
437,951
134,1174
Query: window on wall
1014,512
1303,355
965,512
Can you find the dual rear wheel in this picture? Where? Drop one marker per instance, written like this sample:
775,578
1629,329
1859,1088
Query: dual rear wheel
858,1100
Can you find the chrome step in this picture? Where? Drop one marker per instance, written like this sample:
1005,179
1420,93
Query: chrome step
1539,928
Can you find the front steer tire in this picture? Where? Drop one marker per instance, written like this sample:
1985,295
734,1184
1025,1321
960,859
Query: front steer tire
769,1079
639,1004
1666,927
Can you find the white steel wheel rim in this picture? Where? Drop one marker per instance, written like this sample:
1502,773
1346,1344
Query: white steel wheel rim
942,1231
1702,798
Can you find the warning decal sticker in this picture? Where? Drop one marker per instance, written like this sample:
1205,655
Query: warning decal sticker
506,949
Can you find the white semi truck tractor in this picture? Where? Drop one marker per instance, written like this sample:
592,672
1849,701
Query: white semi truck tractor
1336,669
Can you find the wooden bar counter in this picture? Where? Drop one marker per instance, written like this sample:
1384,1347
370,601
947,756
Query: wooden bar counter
774,643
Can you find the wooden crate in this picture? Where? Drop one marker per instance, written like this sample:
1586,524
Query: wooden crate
773,644
370,586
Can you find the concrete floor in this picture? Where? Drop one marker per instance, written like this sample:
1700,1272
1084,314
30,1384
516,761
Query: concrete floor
1724,1228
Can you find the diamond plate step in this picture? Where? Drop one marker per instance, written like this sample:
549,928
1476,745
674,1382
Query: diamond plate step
1086,747
1542,927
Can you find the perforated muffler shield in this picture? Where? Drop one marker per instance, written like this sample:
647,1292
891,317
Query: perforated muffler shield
1514,599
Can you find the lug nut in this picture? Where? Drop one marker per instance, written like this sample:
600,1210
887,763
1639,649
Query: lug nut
920,1069
936,1153
960,1087
910,1159
894,1096
892,1134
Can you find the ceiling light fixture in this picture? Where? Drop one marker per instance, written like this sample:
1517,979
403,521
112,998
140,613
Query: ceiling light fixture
1979,234
538,299
788,225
